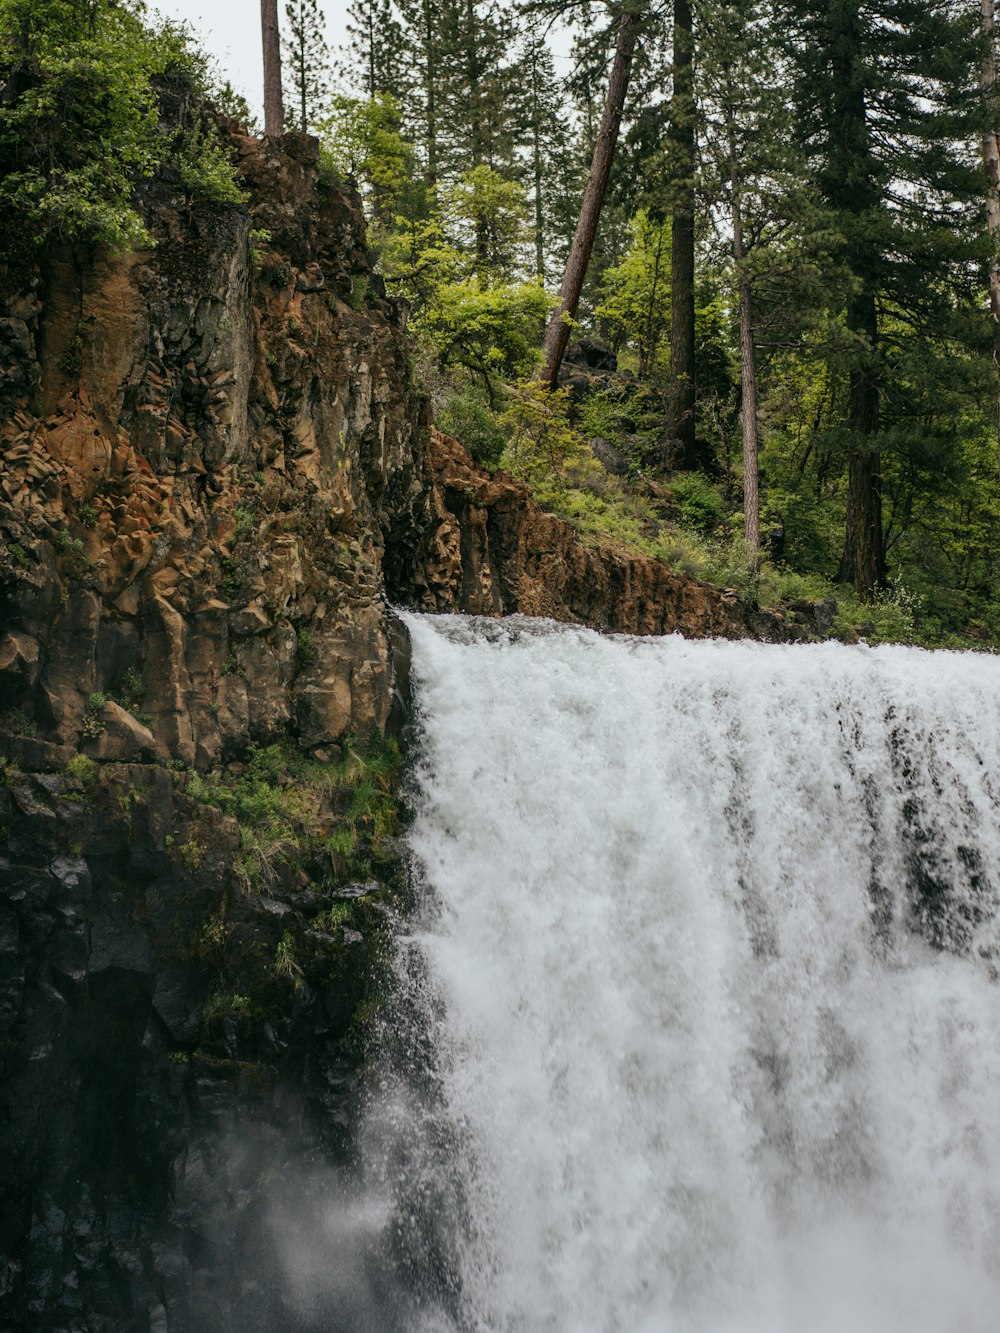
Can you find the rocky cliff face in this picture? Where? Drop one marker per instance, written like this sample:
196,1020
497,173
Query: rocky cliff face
200,445
215,476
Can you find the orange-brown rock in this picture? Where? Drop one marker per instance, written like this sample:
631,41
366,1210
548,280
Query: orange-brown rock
196,445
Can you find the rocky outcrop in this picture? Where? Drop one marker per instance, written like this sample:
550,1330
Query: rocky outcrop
198,443
193,492
469,540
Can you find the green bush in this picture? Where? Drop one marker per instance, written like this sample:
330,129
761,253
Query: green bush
467,415
699,500
80,121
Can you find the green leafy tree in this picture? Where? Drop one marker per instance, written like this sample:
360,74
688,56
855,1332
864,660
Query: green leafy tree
80,119
490,330
362,139
487,215
634,302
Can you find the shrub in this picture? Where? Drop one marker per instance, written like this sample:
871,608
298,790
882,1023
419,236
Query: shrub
81,121
468,416
700,502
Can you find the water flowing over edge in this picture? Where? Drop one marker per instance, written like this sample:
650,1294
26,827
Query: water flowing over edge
696,1025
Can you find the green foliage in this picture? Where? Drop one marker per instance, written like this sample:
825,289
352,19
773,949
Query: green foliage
203,164
226,1004
66,544
80,122
362,139
492,331
361,293
71,360
17,721
191,854
699,501
244,520
466,414
487,215
285,964
634,303
289,807
82,769
92,724
305,646
543,446
260,239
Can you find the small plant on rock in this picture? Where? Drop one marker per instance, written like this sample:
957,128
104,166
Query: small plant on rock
92,723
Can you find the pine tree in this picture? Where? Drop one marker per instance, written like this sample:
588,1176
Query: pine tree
541,141
681,167
308,62
423,38
377,56
886,97
990,147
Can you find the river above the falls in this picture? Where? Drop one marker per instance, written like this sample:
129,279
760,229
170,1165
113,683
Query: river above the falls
698,1023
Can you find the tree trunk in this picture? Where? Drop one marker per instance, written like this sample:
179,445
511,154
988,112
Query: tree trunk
681,398
991,166
303,85
863,562
748,366
557,334
274,111
853,187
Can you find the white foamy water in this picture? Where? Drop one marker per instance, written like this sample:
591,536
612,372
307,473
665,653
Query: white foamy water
706,988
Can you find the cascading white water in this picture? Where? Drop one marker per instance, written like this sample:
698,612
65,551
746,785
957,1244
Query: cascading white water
706,975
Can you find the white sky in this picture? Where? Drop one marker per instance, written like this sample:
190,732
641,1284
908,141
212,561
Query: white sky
229,30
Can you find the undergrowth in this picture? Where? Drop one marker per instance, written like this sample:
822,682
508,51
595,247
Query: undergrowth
293,811
685,521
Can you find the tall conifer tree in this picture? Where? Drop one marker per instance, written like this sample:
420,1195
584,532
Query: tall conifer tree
307,62
886,98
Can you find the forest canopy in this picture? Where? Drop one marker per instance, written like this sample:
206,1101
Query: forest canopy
791,277
782,364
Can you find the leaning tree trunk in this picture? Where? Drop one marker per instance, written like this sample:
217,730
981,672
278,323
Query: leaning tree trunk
274,111
681,436
557,334
991,166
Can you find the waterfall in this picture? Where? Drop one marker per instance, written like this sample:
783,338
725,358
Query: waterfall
700,1014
